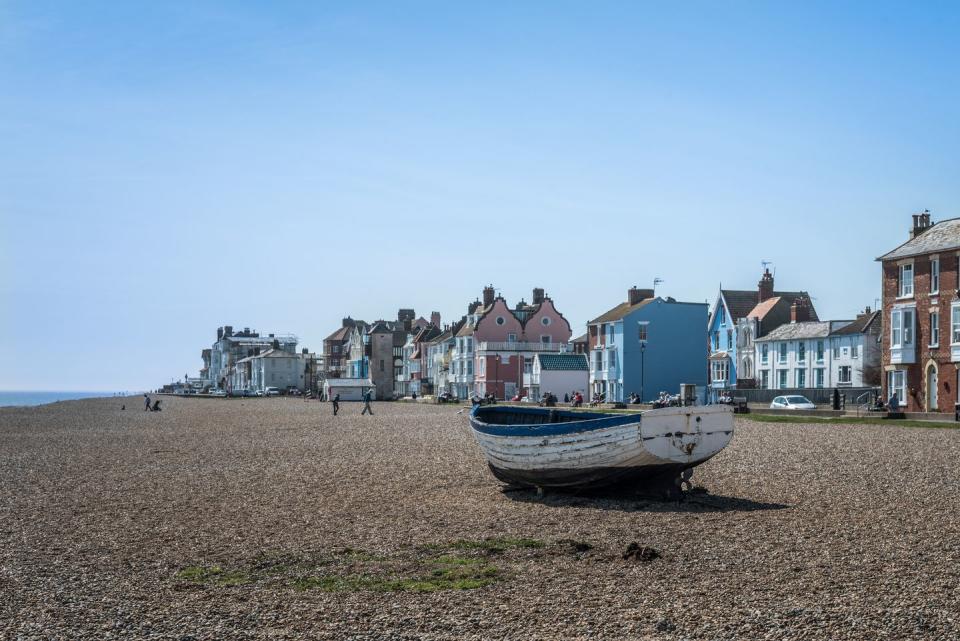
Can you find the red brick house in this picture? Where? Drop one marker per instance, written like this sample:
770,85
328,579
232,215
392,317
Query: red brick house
921,316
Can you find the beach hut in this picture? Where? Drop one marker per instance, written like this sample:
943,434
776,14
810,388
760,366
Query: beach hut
349,389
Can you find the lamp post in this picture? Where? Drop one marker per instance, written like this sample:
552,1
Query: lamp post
643,349
496,374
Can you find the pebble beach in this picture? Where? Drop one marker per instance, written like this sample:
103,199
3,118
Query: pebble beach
272,519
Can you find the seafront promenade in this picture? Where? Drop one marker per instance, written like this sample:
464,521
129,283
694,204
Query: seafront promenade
271,519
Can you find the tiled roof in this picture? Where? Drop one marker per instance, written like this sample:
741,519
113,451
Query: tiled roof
580,339
763,308
620,311
739,302
942,236
340,334
794,331
859,326
577,362
742,303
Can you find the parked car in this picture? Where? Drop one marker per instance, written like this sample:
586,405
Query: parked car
293,391
272,391
217,392
792,403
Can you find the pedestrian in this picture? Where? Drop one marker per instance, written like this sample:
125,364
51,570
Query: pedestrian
146,403
336,403
366,403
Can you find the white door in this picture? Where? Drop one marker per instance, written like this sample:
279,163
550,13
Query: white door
932,389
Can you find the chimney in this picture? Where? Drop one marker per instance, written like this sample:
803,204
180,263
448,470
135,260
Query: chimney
228,330
635,295
304,351
800,310
472,307
921,223
435,319
348,322
538,295
488,295
765,286
270,336
275,344
219,333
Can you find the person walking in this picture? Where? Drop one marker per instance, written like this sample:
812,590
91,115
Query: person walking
336,404
366,403
146,403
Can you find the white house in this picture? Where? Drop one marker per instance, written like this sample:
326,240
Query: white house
820,354
273,368
559,373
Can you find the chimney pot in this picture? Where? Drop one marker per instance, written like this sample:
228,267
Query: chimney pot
635,295
765,286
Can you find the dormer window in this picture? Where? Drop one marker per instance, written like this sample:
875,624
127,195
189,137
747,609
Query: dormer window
906,281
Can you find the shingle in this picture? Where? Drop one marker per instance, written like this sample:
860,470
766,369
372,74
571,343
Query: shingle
620,311
794,331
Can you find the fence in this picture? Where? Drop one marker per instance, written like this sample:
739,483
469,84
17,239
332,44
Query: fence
818,396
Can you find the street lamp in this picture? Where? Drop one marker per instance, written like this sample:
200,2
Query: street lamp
643,349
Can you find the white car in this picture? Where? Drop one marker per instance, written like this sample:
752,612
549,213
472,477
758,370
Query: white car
217,392
792,403
271,391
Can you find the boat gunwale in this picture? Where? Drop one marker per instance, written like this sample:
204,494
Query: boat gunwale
598,421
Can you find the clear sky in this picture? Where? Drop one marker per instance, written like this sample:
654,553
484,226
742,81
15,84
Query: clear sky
169,167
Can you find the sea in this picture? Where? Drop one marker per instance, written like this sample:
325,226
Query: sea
13,399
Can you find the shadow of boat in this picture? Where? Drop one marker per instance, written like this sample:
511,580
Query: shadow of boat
624,500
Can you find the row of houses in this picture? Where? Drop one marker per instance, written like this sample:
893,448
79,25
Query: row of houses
758,338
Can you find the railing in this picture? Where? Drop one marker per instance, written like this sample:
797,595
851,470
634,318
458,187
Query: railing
513,346
869,395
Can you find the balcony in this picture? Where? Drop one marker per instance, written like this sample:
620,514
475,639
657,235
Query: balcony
903,355
493,346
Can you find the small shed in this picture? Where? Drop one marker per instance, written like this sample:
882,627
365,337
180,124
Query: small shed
349,389
560,374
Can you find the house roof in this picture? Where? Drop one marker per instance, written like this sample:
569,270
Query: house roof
580,339
762,309
620,311
942,236
567,362
859,326
743,303
794,331
340,334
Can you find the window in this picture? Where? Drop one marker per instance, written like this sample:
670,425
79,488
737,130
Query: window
955,324
716,341
801,353
836,349
546,340
721,370
854,350
782,376
818,377
764,354
642,332
723,315
801,378
902,327
906,280
765,379
819,351
598,361
782,354
469,368
934,330
896,384
729,339
611,337
545,321
611,358
511,338
844,376
381,364
469,342
934,275
501,320
482,369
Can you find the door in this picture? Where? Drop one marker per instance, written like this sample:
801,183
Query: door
932,400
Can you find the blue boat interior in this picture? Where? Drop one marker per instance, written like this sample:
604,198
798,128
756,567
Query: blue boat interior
507,415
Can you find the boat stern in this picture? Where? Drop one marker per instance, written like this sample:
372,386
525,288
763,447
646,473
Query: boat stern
687,435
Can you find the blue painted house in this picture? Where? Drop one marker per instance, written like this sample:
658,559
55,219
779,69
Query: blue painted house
737,319
647,345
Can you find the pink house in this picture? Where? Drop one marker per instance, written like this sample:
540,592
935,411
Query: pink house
506,340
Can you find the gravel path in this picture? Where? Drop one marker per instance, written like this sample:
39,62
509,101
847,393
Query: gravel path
270,519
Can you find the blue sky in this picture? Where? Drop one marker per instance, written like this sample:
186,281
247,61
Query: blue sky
166,168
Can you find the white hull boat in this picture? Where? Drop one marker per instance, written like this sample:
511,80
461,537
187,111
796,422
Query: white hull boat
551,448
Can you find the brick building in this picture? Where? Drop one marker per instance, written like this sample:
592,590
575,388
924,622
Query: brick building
921,316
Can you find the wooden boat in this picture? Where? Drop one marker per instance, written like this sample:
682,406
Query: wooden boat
551,448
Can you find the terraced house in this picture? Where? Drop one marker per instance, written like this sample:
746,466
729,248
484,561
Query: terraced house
921,314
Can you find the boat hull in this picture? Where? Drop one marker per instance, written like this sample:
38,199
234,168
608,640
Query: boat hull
554,449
